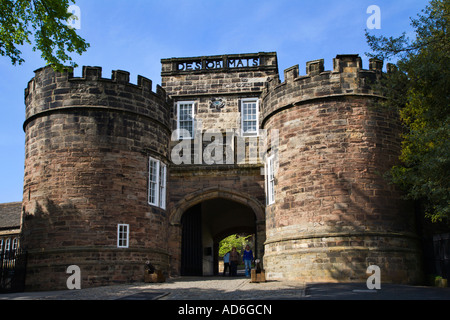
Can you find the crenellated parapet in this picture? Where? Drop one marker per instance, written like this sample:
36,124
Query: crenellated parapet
347,78
104,189
88,143
51,91
333,213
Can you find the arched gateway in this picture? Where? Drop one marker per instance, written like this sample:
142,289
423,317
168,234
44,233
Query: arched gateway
204,218
117,174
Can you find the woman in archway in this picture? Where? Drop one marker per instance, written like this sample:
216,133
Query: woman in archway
248,259
234,259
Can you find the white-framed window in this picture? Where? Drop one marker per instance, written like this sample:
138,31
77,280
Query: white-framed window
157,179
185,119
123,235
162,185
153,182
7,247
249,116
270,179
14,244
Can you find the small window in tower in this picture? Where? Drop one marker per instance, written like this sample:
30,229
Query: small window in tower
157,179
270,180
162,186
153,181
123,235
185,119
249,117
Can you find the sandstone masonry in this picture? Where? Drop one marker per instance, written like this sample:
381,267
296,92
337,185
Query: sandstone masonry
88,142
334,213
91,144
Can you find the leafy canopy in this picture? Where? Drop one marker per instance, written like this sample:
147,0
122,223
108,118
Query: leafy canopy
419,88
233,241
46,22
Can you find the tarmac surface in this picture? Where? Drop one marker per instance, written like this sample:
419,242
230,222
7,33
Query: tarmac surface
238,288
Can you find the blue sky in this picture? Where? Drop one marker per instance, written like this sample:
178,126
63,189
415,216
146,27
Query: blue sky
135,35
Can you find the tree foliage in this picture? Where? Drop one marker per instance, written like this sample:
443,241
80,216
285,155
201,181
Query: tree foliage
46,22
233,241
419,88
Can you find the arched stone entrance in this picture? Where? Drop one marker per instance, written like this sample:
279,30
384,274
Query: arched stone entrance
202,219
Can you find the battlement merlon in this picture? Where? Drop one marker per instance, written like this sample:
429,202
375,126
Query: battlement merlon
220,63
342,64
95,74
347,78
51,90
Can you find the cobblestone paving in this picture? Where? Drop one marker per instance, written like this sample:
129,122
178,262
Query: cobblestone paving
239,288
184,288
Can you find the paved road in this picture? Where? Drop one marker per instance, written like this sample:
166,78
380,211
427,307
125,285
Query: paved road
359,291
183,288
239,288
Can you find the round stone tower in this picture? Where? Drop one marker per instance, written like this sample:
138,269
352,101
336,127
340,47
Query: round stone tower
334,214
89,145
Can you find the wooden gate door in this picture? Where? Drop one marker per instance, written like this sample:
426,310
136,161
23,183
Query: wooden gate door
191,242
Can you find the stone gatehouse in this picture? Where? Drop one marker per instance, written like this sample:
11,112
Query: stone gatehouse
117,174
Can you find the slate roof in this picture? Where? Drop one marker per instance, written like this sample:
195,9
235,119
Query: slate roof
10,215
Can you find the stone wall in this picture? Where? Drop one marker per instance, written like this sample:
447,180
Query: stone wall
195,184
220,82
334,213
89,139
203,79
88,143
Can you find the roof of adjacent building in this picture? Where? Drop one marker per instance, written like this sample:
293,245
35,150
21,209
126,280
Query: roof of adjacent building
10,215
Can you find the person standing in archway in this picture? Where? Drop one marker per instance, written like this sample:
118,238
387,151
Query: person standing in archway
234,260
248,259
226,263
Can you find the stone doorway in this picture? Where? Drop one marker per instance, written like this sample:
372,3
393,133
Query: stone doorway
205,224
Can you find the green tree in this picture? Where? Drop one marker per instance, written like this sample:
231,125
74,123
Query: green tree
418,86
232,241
46,22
